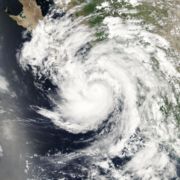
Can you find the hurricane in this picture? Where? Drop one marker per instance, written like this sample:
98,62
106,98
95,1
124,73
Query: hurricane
118,87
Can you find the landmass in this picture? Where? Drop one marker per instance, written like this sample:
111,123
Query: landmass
164,17
30,15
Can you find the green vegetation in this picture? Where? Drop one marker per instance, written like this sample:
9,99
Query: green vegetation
88,8
148,13
96,20
116,5
177,110
101,35
169,109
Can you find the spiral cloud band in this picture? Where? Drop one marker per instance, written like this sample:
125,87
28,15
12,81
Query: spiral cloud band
121,81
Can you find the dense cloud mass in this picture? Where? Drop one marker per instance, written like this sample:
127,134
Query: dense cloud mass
115,88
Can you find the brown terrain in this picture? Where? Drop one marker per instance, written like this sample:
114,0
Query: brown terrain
30,14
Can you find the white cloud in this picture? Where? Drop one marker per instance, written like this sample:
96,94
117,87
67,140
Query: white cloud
4,85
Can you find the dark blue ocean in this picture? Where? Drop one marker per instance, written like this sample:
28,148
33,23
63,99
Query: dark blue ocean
27,139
